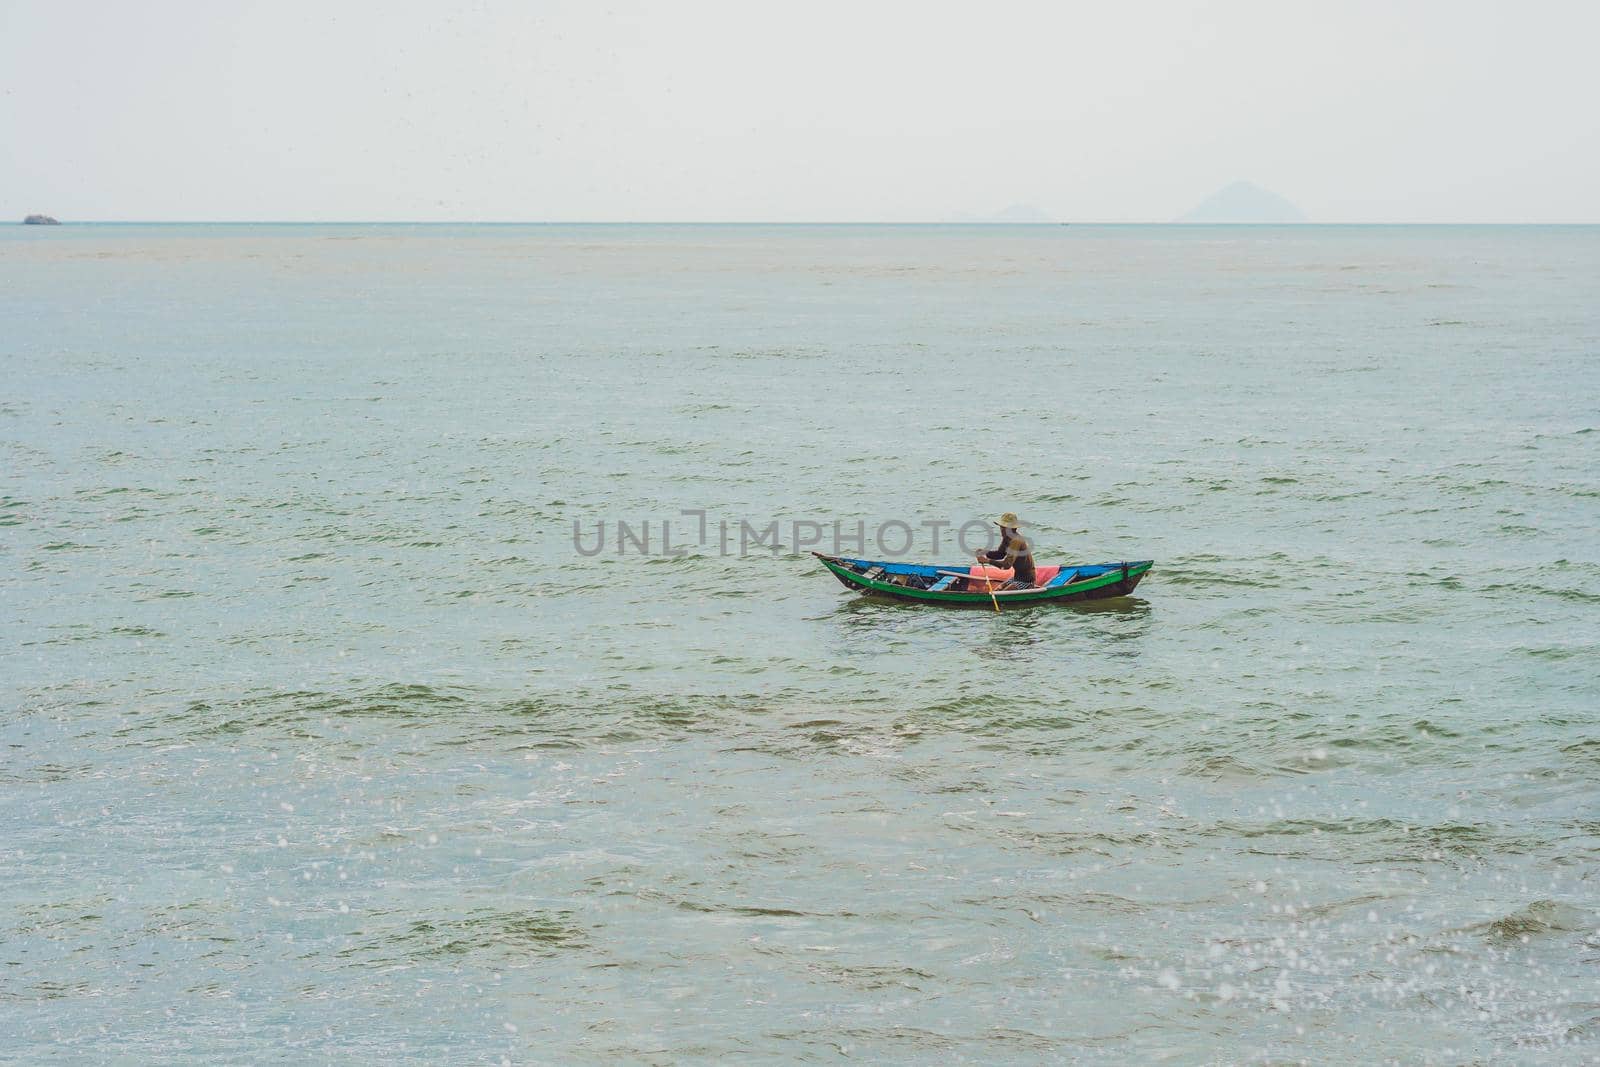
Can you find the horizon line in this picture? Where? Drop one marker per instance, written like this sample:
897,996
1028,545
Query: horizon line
746,222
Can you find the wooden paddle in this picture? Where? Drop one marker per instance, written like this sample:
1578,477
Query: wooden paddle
989,582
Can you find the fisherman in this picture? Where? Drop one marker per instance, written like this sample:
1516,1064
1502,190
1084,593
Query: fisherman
1014,552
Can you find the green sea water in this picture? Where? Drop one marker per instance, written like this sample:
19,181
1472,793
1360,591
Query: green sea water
321,740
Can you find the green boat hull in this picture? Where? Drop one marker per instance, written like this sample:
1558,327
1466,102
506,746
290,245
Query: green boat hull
1118,579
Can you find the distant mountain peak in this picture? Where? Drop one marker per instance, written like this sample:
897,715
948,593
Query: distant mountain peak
1016,213
1244,202
1021,213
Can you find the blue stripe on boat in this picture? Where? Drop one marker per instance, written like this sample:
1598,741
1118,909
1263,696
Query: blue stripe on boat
899,568
1089,570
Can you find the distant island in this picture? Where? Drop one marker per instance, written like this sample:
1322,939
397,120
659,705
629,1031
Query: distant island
40,220
1243,202
1016,213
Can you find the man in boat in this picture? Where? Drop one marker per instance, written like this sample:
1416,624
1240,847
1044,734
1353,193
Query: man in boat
1014,551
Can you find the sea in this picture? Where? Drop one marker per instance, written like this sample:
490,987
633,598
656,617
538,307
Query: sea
411,650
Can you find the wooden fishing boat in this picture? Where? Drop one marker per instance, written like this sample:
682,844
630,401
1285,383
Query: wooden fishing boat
932,584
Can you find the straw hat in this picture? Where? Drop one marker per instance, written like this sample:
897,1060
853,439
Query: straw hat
1008,521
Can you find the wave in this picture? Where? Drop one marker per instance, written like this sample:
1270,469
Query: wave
512,935
1537,919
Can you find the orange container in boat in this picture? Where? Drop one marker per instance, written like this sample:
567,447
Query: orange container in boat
996,574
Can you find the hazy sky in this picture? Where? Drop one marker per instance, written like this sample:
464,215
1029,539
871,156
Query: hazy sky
1393,111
